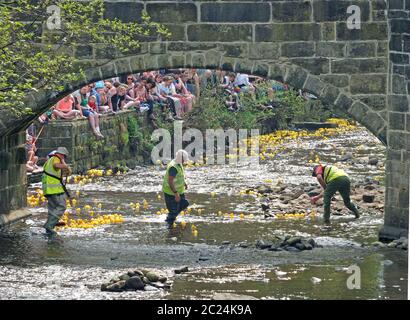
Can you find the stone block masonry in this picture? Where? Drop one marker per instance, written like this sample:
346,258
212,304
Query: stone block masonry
85,150
398,134
13,181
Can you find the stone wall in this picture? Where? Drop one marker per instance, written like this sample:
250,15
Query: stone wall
306,42
86,151
398,148
13,181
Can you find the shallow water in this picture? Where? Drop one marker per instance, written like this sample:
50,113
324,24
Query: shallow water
74,268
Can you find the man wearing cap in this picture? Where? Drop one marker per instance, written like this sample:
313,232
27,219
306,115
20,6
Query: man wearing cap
333,179
53,188
174,186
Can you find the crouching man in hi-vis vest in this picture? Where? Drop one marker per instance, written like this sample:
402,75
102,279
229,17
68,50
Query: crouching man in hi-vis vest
332,180
174,186
54,189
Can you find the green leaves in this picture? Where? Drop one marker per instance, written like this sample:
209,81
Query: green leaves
34,58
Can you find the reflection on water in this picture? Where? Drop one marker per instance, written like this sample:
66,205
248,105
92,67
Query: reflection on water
74,268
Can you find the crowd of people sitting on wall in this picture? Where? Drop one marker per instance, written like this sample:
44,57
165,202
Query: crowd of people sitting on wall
174,92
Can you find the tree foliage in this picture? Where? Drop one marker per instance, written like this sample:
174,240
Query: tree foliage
34,58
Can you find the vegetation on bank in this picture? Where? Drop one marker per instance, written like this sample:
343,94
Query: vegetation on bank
288,107
210,112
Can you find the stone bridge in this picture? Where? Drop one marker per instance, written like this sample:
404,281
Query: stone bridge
308,43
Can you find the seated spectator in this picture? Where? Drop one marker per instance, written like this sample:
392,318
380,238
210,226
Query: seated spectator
192,82
207,80
92,103
167,91
101,99
222,79
147,99
241,81
118,99
82,100
64,109
105,102
187,98
139,93
31,157
130,87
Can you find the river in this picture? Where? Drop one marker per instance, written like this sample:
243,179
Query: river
224,216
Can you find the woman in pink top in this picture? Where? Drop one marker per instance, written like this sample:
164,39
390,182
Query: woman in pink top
64,109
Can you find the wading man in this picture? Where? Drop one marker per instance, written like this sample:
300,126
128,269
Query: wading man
54,189
333,180
174,186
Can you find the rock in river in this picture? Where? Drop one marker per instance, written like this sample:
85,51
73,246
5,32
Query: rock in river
116,287
373,161
135,283
293,240
124,277
152,277
181,270
260,244
368,198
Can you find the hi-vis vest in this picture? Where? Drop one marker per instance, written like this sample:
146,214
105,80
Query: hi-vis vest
331,173
51,185
179,181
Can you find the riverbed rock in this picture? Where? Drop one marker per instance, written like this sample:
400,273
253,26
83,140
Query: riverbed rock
124,277
104,286
114,280
293,241
392,244
346,157
138,273
373,161
261,244
243,244
150,288
315,280
152,277
300,246
308,246
135,283
116,287
368,198
265,207
264,189
378,244
312,242
162,279
291,249
181,270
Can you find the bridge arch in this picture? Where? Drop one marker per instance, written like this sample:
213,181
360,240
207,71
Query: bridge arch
296,76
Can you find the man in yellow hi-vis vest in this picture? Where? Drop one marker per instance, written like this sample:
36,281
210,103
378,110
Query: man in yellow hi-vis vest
174,187
333,179
53,188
